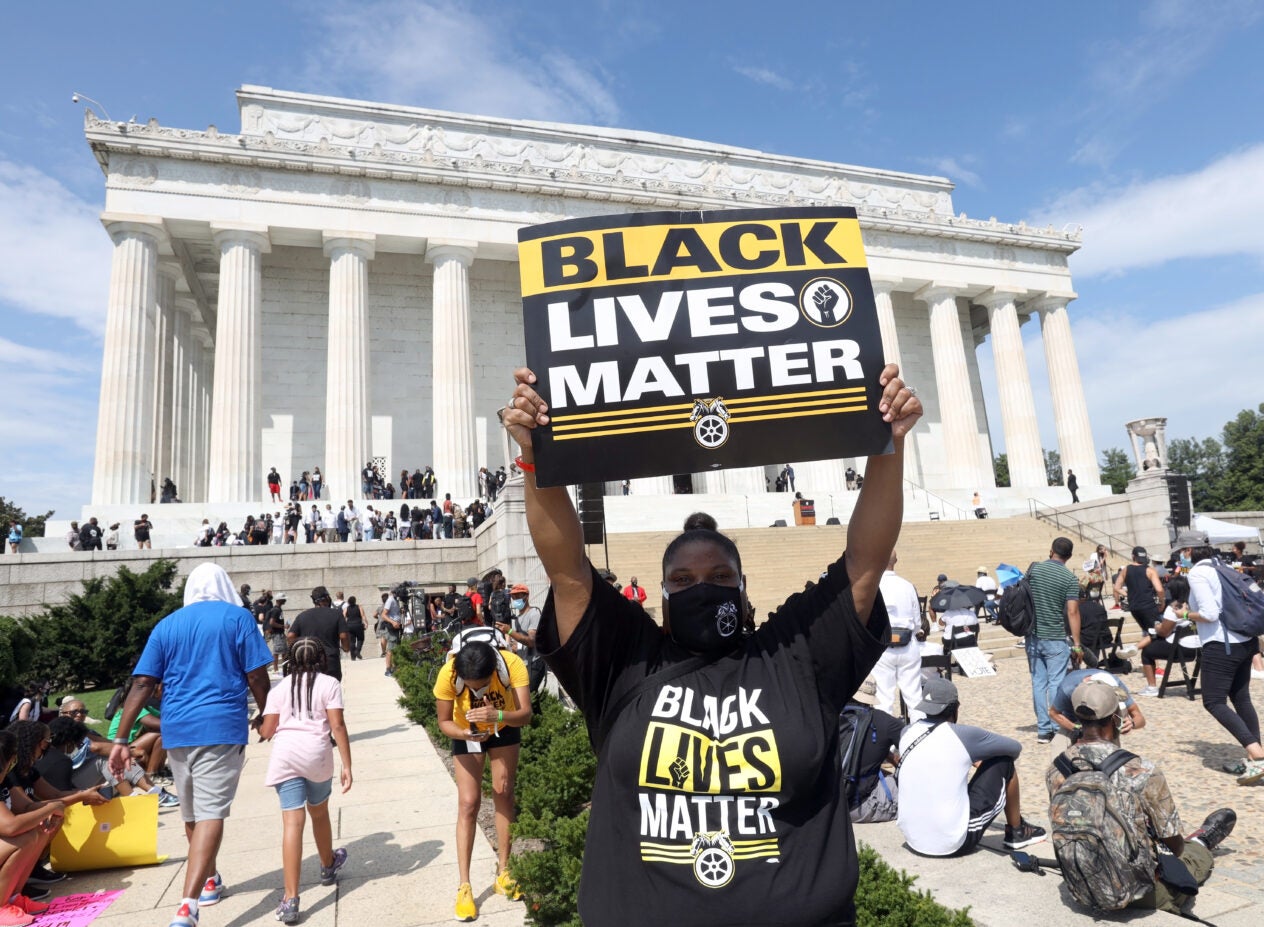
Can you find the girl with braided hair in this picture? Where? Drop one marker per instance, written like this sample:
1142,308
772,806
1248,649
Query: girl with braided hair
302,714
26,829
33,740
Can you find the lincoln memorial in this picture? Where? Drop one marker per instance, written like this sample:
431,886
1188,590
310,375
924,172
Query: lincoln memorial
337,283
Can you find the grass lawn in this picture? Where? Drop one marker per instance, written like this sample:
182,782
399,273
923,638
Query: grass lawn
95,702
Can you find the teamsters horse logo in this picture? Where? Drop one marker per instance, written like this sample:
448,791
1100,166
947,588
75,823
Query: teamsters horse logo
713,859
711,422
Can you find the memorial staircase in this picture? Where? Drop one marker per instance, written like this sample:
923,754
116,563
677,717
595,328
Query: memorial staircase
778,561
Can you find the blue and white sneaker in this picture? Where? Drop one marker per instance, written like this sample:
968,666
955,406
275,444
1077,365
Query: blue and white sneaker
167,800
211,891
184,917
329,873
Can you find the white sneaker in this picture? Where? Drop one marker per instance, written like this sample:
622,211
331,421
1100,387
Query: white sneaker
1149,692
1128,648
1257,674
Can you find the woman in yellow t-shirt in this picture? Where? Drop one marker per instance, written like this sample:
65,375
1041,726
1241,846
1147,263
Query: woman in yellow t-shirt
482,698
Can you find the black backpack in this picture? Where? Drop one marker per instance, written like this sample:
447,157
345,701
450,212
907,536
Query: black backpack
498,606
855,724
465,608
1016,610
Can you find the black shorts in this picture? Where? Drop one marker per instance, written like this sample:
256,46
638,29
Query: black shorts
1147,618
508,737
987,797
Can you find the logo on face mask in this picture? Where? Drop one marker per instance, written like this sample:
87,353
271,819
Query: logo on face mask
705,618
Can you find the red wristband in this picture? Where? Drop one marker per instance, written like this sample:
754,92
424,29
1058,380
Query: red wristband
523,465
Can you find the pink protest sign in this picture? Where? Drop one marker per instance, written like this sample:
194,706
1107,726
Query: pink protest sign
76,910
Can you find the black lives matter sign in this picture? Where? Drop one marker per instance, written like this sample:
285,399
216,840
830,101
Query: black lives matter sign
673,342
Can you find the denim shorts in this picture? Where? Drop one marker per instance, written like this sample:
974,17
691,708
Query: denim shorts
296,792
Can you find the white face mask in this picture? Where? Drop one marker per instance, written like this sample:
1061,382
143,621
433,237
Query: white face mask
480,693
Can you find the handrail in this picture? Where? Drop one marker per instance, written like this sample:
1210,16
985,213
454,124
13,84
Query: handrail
1116,543
962,514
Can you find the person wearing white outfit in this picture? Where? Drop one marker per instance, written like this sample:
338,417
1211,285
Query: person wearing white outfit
901,663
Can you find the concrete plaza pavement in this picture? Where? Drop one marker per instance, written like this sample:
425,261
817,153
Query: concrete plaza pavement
398,824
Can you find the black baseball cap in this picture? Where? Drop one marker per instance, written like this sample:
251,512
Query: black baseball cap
1139,554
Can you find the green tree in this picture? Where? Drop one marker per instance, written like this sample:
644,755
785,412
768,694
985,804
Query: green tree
1117,469
32,525
1204,463
1053,467
17,649
94,638
1000,466
1243,483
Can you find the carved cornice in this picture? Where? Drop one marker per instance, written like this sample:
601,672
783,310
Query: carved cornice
561,162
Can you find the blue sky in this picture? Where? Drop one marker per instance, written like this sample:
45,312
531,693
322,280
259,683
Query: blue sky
1144,123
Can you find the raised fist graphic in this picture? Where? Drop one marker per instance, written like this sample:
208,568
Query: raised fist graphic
679,772
825,299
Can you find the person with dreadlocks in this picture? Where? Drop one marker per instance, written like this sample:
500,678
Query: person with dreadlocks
26,829
34,738
483,699
301,715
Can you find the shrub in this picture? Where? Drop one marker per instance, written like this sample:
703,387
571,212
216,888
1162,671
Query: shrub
556,767
885,897
17,649
94,639
549,878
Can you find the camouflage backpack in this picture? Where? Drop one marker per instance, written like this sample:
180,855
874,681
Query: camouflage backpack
1105,860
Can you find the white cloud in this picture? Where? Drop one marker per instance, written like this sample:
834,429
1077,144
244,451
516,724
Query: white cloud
765,76
1210,212
1198,375
955,170
56,255
442,55
1126,77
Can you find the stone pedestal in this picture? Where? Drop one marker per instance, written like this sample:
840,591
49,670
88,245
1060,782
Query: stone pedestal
453,410
124,453
235,464
347,415
1013,383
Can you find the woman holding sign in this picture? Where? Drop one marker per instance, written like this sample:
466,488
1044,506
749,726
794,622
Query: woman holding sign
717,799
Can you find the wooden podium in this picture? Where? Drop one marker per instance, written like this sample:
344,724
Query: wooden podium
804,512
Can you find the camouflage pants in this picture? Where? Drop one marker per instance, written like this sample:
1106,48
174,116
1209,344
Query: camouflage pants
1199,861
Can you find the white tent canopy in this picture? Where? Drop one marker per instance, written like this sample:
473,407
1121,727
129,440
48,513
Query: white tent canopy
1224,532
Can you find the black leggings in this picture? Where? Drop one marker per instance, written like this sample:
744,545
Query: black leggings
1157,649
357,642
1227,677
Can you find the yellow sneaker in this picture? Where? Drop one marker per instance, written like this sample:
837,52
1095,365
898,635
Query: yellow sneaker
508,886
466,909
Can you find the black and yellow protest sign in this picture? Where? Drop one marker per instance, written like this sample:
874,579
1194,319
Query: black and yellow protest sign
675,342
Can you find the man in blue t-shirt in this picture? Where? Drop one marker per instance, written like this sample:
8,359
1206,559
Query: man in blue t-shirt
209,657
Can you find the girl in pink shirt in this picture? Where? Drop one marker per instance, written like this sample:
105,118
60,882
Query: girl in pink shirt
302,713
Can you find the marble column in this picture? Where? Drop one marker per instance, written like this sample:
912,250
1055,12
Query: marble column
1013,385
124,464
164,368
1070,410
952,385
882,289
453,369
348,438
235,460
200,444
184,351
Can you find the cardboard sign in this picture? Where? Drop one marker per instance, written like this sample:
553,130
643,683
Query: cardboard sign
122,832
675,342
973,662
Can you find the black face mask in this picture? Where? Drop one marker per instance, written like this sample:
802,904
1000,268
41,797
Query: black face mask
706,618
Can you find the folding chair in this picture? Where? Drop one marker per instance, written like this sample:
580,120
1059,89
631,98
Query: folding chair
939,662
1181,653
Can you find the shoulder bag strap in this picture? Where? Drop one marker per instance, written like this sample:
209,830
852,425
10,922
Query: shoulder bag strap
611,714
920,737
1111,764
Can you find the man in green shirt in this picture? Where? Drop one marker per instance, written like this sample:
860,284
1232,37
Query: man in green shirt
1055,592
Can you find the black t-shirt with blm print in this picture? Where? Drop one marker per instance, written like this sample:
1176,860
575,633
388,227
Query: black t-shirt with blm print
718,797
